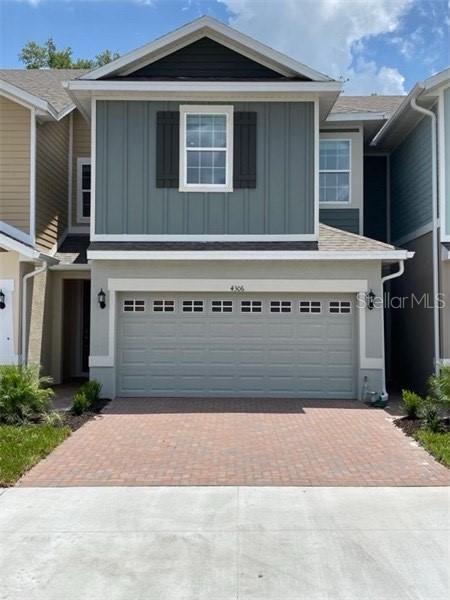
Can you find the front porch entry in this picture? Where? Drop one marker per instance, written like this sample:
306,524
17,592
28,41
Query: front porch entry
76,328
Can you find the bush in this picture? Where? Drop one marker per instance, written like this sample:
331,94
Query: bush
80,403
23,393
412,404
431,415
91,389
439,387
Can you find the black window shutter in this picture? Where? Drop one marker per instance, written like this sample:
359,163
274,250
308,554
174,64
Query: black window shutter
244,164
167,149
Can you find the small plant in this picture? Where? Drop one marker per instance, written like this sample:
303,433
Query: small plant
80,403
24,394
439,386
431,415
412,404
53,419
91,389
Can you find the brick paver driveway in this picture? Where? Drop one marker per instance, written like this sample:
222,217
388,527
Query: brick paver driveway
238,442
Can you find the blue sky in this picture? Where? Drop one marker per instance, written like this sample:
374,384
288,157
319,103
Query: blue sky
382,46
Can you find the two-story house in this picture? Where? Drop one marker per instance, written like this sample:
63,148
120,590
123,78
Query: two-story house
416,142
44,291
212,157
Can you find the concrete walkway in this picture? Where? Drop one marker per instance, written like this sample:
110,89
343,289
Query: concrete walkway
224,543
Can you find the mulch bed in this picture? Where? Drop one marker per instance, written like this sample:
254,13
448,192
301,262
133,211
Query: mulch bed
410,426
77,421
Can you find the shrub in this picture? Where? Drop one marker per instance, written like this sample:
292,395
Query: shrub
431,415
91,389
439,386
24,395
80,403
412,404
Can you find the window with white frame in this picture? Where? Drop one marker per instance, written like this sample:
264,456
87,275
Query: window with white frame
339,307
133,305
206,148
280,306
84,189
163,305
251,306
310,306
334,167
222,306
192,305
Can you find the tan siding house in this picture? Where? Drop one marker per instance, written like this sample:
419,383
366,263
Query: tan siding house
52,165
15,133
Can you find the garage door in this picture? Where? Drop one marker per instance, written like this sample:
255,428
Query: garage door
236,345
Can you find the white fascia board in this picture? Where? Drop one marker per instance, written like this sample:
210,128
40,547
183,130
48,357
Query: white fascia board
437,80
414,93
78,85
203,26
244,255
31,101
70,267
13,245
356,116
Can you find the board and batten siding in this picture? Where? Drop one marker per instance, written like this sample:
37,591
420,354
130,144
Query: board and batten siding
341,218
52,156
15,132
128,201
81,148
411,182
447,158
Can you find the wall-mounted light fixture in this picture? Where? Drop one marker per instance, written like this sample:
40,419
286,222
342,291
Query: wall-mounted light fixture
101,296
370,300
2,300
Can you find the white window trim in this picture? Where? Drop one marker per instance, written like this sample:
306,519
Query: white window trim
211,109
81,161
335,203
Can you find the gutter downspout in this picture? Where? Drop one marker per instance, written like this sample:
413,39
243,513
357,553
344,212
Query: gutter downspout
437,343
25,279
399,273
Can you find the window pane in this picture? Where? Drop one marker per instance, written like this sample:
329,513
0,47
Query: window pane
86,204
334,155
206,131
206,175
193,158
334,187
86,177
218,159
219,177
193,175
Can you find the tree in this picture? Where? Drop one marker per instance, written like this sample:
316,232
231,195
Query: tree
47,56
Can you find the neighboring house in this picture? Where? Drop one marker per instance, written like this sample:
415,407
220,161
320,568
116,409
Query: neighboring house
212,159
43,140
417,145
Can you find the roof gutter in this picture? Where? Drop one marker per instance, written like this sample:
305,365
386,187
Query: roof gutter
433,123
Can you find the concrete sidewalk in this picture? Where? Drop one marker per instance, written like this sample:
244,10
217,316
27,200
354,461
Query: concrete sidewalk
224,543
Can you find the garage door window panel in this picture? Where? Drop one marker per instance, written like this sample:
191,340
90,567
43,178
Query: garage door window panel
193,306
251,306
339,307
133,305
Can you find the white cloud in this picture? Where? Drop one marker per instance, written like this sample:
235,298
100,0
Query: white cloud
367,78
326,35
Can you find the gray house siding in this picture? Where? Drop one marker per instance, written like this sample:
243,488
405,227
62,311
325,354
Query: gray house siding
375,197
128,201
447,158
411,182
341,218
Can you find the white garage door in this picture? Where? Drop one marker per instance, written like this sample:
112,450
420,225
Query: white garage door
236,345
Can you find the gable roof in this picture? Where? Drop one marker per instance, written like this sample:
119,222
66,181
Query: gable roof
217,31
41,87
368,104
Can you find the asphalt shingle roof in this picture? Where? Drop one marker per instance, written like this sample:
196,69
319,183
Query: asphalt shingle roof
44,83
376,104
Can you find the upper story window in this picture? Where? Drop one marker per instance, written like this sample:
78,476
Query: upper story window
84,189
206,148
334,168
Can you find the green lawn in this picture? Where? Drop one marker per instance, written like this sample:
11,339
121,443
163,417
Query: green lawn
23,446
437,444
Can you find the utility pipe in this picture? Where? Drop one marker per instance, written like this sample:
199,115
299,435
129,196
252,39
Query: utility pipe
399,273
437,344
25,279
